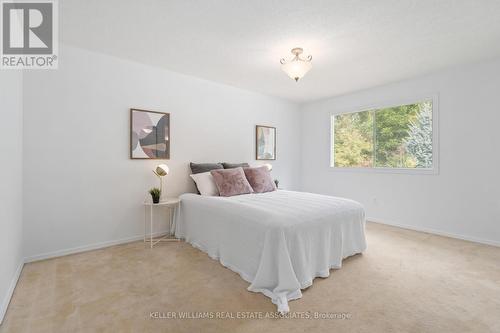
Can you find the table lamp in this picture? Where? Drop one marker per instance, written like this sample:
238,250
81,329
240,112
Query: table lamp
161,171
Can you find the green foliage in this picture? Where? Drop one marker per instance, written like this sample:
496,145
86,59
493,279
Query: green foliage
419,141
155,193
394,137
391,130
353,139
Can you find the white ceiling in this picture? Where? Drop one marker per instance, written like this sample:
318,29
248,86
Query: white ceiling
355,44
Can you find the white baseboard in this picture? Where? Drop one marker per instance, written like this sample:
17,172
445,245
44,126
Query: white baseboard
10,292
89,247
435,232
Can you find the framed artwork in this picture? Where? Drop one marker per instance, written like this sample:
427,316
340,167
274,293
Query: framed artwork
149,134
265,142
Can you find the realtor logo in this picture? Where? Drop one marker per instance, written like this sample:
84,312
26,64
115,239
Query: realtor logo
29,34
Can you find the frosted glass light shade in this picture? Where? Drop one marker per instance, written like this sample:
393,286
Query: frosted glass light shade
296,68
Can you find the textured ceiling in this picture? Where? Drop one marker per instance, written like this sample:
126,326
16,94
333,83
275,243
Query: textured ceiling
355,44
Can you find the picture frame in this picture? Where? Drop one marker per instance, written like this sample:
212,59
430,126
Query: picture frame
265,143
149,134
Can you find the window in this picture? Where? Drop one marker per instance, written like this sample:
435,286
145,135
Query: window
396,137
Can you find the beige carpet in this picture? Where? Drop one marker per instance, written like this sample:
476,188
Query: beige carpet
405,282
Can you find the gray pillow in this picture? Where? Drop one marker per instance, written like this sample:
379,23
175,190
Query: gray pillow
204,167
235,165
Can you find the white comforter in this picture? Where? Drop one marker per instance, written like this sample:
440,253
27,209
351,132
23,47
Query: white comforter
277,241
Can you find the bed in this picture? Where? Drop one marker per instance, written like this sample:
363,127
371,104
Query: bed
277,241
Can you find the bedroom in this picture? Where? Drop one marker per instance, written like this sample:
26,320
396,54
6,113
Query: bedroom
74,251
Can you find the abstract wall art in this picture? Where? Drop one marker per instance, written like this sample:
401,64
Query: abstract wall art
149,134
265,142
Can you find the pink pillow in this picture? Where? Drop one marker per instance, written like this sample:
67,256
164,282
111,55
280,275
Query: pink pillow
231,182
260,179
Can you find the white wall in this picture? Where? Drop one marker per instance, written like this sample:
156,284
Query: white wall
81,188
463,200
84,191
11,168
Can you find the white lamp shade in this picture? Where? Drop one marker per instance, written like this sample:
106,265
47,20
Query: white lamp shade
269,166
296,68
162,170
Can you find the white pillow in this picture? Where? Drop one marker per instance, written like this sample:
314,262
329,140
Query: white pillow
205,183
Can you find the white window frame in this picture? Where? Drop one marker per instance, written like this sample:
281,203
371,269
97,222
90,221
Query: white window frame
435,137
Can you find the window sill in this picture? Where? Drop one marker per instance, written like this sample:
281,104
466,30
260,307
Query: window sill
433,171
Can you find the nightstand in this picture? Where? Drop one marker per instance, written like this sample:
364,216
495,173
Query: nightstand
171,204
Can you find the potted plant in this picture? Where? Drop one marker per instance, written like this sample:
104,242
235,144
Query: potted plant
277,182
155,194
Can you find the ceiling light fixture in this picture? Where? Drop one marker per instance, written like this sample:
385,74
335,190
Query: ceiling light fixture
297,67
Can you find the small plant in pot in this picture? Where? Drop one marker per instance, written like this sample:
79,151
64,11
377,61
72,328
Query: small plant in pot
155,194
277,182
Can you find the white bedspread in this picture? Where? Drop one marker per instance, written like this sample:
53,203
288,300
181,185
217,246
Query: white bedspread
277,241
